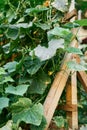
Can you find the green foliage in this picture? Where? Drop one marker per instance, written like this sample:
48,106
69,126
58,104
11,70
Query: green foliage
4,102
39,83
82,22
60,121
41,126
74,50
33,41
24,110
18,90
10,66
72,65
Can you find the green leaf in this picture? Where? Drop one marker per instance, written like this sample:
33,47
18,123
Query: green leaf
32,65
81,5
24,110
41,126
43,26
72,65
59,121
4,102
37,9
82,22
60,5
39,83
10,15
2,71
71,25
12,27
2,4
44,53
11,66
20,105
8,126
58,31
6,48
18,90
12,33
74,50
7,79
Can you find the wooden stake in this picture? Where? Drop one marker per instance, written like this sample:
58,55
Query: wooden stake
82,76
69,102
57,88
54,94
74,100
71,98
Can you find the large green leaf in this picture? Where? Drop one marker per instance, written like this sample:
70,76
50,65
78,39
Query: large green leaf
60,5
24,110
74,50
72,65
82,22
43,26
11,66
37,9
41,126
32,65
44,53
71,25
7,79
18,90
17,26
2,71
20,105
39,83
4,102
59,121
60,32
12,33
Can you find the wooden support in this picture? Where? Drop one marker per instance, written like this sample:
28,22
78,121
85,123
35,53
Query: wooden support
68,102
68,107
54,94
58,85
57,88
82,76
74,100
71,98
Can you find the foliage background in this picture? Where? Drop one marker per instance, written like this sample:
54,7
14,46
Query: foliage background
33,41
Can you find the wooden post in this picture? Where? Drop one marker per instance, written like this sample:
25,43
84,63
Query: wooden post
68,102
59,83
71,99
57,88
74,100
82,76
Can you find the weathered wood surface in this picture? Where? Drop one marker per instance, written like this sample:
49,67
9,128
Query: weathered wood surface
57,88
59,82
74,100
67,107
82,76
71,99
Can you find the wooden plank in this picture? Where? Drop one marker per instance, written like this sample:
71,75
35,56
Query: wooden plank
54,94
71,98
74,99
82,76
57,88
68,107
69,102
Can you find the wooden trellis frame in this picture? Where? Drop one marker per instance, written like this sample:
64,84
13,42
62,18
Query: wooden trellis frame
59,83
